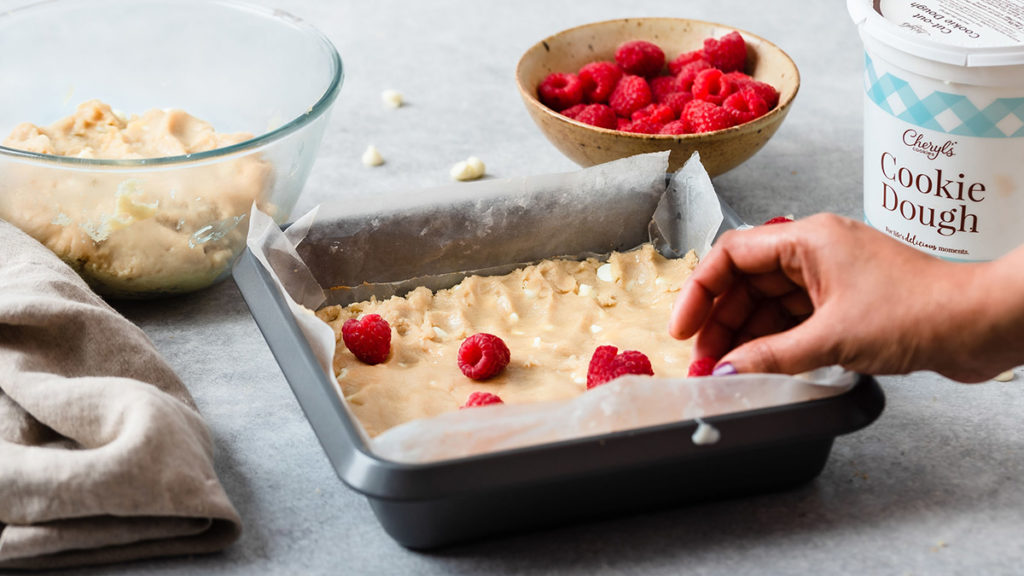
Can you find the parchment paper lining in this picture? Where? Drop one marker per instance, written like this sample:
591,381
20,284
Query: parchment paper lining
436,237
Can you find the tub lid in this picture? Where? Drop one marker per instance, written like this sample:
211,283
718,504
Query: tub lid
971,33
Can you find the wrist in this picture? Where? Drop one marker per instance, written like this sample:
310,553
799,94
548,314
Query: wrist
986,324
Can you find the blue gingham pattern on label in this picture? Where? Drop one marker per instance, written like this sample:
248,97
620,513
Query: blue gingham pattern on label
943,111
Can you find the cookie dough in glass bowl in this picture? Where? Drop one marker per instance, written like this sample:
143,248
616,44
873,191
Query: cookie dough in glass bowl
135,137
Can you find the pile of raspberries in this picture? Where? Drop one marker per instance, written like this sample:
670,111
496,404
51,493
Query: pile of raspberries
699,91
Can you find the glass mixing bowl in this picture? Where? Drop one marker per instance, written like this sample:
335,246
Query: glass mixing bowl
144,227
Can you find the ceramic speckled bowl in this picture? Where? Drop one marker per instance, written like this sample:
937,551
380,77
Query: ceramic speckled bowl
720,151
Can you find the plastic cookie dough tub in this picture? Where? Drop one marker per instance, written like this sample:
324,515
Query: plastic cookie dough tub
433,502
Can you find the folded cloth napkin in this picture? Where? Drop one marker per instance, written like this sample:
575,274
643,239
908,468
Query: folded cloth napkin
103,455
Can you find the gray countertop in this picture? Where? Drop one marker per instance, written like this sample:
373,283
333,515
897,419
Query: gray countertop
934,486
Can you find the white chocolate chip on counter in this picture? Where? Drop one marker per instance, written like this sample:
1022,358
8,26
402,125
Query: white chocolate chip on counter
392,98
1004,376
372,157
469,169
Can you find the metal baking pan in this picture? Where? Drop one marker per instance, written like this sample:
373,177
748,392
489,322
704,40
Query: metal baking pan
430,505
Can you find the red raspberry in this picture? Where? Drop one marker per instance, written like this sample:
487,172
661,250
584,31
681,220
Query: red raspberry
777,220
728,53
678,100
706,117
483,356
712,86
675,127
676,65
766,91
599,79
740,79
701,367
631,94
369,338
686,75
658,113
560,90
643,126
662,86
622,124
745,105
607,364
598,115
640,57
481,399
573,111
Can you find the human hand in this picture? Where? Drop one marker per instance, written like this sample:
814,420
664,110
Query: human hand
829,290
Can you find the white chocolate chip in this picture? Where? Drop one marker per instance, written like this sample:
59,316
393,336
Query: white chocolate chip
705,434
392,98
372,157
476,165
604,272
594,328
1004,376
513,317
585,289
469,169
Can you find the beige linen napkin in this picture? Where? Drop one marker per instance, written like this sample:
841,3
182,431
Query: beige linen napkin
103,455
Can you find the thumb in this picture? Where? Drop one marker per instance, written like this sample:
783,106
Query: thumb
799,349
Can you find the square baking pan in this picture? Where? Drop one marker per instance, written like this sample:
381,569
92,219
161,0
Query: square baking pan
429,505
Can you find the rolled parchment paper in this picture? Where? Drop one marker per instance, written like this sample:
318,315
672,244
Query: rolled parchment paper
348,252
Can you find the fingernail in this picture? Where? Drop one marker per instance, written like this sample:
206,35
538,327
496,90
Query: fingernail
724,369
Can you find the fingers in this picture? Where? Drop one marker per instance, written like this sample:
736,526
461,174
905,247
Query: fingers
799,349
737,254
742,315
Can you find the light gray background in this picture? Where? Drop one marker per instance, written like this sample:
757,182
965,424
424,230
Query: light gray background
933,487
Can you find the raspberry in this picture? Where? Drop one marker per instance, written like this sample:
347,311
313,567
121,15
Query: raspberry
777,220
658,113
559,91
483,356
607,364
766,91
686,75
599,79
745,105
728,53
643,126
640,57
686,58
369,338
662,86
706,117
622,124
701,367
675,127
631,94
573,111
678,100
598,115
481,399
712,86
